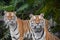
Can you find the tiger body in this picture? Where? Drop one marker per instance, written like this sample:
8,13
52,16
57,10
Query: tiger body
17,26
19,29
39,28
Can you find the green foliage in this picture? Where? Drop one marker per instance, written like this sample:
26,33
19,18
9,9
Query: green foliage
25,7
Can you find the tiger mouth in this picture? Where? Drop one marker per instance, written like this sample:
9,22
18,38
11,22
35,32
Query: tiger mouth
10,22
38,30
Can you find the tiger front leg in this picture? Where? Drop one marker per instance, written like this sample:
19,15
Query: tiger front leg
28,36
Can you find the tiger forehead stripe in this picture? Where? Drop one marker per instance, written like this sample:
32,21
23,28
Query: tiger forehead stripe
37,16
9,13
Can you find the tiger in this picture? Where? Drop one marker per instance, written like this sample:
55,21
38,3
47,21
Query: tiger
39,28
18,28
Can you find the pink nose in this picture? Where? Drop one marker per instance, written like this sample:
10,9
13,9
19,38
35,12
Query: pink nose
9,18
37,22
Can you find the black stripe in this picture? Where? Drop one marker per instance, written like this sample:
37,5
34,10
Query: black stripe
16,38
41,35
17,33
15,27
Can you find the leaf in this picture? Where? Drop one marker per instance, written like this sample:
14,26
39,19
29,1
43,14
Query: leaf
44,8
30,1
25,6
14,2
7,8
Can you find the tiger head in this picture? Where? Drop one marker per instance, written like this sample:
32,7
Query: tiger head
37,22
9,17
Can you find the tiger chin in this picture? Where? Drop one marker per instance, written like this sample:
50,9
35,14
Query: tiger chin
39,28
18,28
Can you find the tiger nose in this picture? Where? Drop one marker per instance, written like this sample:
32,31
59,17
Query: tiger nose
37,22
37,27
9,18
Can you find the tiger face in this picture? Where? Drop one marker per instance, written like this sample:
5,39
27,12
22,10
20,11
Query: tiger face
37,22
9,17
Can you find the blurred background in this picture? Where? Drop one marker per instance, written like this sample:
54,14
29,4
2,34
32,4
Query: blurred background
50,8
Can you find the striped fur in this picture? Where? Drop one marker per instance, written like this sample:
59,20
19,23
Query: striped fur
10,20
37,24
18,28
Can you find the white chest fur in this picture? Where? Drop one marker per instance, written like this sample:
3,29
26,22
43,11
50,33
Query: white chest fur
14,32
36,37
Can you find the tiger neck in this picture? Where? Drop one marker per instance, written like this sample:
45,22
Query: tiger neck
13,26
14,31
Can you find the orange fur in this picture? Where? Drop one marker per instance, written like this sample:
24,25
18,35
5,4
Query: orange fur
48,36
9,16
23,25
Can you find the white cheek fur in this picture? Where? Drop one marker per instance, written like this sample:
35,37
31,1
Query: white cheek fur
7,14
12,14
34,17
39,17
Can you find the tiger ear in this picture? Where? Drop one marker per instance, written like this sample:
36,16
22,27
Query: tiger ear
42,14
14,12
30,15
5,12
